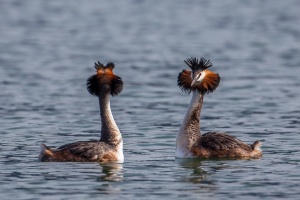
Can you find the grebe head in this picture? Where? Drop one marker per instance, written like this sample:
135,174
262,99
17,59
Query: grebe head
104,80
200,78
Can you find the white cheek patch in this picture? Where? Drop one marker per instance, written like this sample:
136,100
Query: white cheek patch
201,77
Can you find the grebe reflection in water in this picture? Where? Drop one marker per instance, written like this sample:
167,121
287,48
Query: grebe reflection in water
110,146
111,172
189,141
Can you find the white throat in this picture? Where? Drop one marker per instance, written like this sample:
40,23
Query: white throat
110,132
189,131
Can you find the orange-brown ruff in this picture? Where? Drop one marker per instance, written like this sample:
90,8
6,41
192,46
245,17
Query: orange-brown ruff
110,146
189,142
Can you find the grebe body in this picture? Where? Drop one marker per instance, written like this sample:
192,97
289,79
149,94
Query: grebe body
110,146
189,141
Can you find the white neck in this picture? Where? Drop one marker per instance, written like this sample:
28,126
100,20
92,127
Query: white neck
189,131
110,132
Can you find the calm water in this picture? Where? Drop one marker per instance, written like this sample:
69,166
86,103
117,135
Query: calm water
47,50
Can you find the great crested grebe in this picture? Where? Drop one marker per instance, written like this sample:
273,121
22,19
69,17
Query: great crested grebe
189,141
110,146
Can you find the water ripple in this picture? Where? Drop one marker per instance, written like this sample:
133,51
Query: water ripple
47,52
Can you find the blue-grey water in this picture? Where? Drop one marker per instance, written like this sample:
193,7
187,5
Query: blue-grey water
47,51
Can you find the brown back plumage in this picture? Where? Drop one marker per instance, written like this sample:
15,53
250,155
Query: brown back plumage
209,83
104,80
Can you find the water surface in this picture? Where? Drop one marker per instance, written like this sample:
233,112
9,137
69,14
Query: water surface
47,50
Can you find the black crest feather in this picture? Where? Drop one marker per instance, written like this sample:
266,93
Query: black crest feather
116,86
110,65
104,80
196,64
209,83
92,85
184,81
98,65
